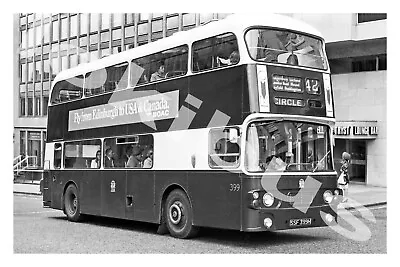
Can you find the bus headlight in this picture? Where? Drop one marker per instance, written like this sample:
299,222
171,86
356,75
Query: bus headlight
256,195
268,199
328,197
268,222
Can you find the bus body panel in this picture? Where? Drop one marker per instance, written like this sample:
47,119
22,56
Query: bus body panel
113,191
90,187
140,188
216,199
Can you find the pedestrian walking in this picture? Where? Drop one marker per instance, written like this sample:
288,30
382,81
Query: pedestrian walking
343,180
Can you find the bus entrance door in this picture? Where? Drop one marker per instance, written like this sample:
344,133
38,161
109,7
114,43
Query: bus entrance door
113,192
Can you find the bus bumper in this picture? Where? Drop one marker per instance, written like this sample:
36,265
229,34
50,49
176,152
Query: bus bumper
285,219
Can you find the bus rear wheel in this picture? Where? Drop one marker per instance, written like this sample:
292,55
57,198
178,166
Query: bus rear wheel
72,203
178,215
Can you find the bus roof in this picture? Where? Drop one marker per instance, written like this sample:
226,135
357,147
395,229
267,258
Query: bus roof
235,23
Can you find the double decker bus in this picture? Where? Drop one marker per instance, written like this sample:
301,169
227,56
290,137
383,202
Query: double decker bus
227,125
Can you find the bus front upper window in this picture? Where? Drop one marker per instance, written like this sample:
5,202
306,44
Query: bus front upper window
273,46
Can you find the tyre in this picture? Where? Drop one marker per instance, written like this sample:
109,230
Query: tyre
72,203
178,215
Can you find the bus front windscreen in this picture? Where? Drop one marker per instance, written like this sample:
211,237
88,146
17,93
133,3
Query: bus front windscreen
287,146
285,47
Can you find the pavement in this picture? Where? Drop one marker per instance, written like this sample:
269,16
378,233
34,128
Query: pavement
359,194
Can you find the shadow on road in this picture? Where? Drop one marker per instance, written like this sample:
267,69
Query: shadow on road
209,235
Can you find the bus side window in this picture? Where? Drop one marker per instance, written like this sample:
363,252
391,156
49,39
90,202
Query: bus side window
176,61
78,154
210,52
66,90
117,77
222,151
57,155
94,82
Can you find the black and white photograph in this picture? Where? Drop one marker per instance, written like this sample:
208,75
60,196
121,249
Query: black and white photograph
204,132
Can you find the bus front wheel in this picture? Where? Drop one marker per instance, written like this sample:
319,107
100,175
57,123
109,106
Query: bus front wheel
178,215
72,203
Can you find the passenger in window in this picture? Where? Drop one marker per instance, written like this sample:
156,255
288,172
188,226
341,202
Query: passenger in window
148,162
133,160
108,159
233,59
159,74
96,162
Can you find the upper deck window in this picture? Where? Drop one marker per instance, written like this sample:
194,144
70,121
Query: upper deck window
67,90
215,52
162,65
285,47
107,79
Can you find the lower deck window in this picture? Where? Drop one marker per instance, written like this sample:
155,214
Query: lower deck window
129,152
82,154
224,150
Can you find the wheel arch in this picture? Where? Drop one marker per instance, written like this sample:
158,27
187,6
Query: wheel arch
165,194
65,189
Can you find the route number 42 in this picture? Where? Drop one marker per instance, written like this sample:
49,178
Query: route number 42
313,86
234,187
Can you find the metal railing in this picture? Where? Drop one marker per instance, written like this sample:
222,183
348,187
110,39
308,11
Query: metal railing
23,163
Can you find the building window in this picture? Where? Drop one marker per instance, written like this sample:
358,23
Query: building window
30,72
38,66
23,73
46,69
370,63
74,26
39,35
129,31
22,106
117,19
22,143
366,17
37,106
55,68
30,37
189,19
46,33
105,21
56,30
172,23
105,36
94,38
64,28
94,22
84,23
45,105
205,17
23,39
157,26
73,60
129,18
116,34
30,106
